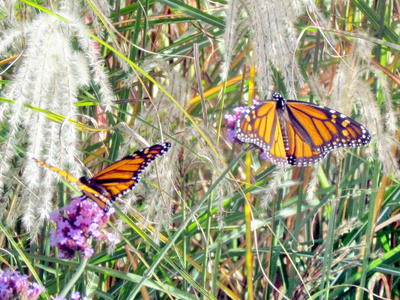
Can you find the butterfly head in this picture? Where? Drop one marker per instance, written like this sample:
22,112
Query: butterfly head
84,180
280,102
277,97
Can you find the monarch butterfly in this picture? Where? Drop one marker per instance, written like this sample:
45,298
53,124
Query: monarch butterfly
298,133
116,179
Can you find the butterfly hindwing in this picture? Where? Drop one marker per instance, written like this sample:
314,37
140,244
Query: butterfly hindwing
277,153
300,152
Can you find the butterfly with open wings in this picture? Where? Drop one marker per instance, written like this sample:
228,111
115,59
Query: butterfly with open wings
295,132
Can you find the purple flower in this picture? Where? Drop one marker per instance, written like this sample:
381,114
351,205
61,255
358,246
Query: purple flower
231,122
75,296
231,135
16,286
36,290
81,220
88,252
112,237
264,156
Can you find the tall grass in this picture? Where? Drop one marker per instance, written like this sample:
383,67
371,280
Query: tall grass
86,83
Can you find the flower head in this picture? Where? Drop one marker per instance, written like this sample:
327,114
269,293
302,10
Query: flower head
75,296
81,220
16,286
231,122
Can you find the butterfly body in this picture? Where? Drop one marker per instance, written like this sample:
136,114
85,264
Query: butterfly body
296,132
116,179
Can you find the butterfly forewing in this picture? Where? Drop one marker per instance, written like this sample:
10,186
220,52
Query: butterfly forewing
123,169
67,176
258,125
124,174
327,129
62,173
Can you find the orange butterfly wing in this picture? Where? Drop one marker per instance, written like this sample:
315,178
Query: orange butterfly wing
123,175
93,194
116,179
260,126
315,130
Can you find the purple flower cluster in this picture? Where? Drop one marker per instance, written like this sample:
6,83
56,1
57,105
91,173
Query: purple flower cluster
231,122
83,220
74,296
16,286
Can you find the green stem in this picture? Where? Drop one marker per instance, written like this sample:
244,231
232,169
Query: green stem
70,284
